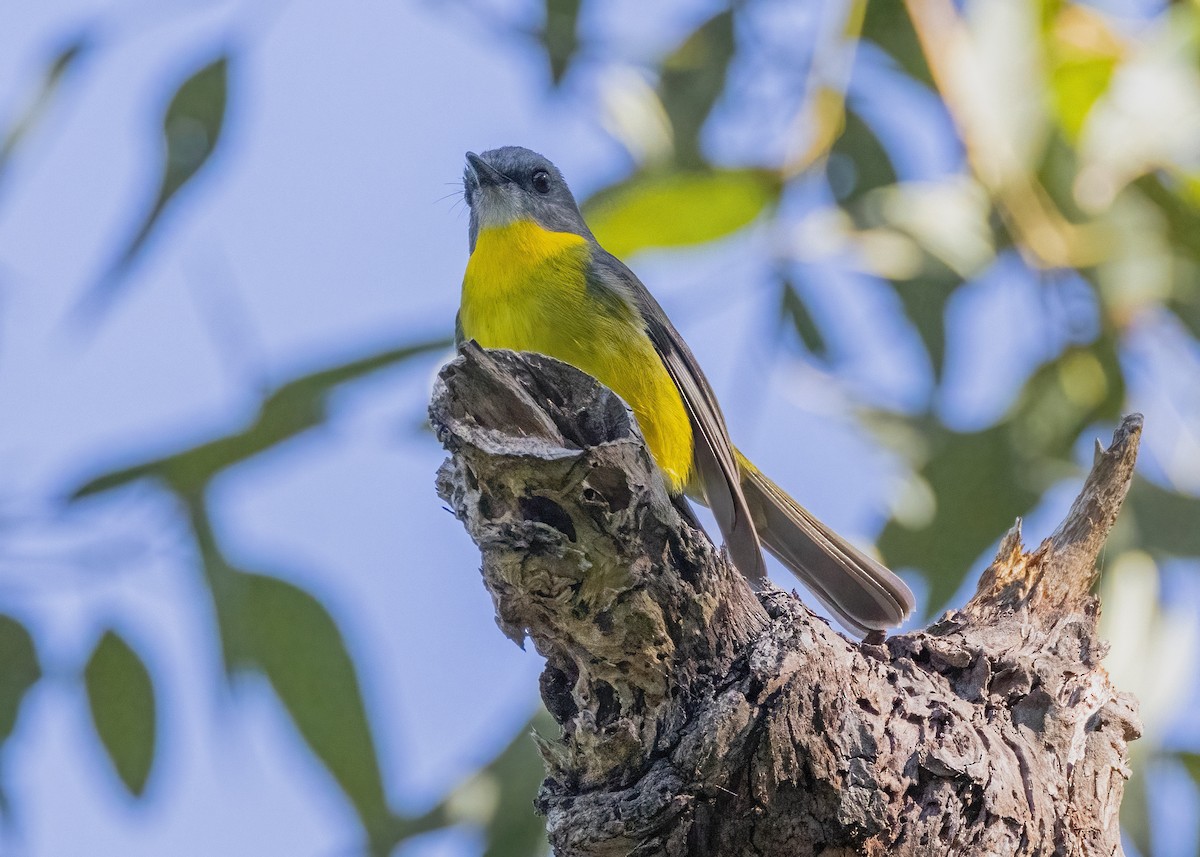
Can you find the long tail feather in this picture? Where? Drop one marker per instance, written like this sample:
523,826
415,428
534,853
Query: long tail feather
863,594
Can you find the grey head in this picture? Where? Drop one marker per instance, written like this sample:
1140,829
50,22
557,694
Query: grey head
511,183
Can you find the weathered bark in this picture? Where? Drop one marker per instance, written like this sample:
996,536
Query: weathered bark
700,718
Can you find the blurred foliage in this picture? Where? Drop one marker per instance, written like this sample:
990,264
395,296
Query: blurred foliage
60,66
1079,136
121,697
266,624
560,35
19,671
191,129
652,211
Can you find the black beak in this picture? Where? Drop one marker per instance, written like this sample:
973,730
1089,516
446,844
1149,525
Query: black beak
485,174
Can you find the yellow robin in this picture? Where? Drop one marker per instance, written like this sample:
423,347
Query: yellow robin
537,280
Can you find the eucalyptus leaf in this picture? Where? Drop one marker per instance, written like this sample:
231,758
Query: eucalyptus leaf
191,130
121,697
63,62
560,35
691,79
287,635
858,164
1191,764
515,830
292,408
981,483
1182,219
1167,522
888,25
924,298
794,309
678,209
1076,83
19,671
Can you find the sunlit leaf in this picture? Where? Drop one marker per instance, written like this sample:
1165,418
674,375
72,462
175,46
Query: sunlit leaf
691,80
121,697
560,35
677,209
285,633
19,671
56,71
292,408
191,130
824,118
949,219
1077,84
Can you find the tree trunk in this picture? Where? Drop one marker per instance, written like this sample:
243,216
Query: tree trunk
698,717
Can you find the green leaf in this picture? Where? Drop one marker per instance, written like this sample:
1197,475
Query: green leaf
121,697
497,799
515,830
560,35
286,634
887,25
1135,813
19,671
924,299
678,209
1082,386
691,80
191,129
981,484
1083,52
794,309
1076,85
982,481
293,408
56,71
1182,219
1165,520
1191,763
1057,174
858,163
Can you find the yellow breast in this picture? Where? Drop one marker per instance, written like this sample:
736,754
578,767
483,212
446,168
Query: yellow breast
526,289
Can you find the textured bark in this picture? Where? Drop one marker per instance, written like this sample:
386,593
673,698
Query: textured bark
700,718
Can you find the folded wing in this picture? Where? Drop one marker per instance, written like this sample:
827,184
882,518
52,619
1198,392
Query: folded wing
716,466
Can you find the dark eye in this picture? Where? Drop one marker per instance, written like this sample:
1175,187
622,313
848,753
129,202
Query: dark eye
541,181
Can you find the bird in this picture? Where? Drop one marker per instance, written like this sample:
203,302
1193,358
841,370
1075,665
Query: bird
538,281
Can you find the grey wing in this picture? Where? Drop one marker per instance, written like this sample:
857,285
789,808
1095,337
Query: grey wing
459,336
716,465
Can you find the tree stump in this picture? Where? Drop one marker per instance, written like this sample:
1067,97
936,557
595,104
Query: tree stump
700,718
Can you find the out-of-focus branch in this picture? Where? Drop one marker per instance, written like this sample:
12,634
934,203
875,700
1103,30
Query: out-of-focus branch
1037,225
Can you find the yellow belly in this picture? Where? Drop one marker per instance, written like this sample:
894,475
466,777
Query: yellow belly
525,290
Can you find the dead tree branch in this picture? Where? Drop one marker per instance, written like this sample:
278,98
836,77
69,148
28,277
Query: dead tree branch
698,718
